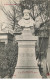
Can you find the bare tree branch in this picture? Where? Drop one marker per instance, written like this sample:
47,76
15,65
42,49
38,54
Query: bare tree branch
12,16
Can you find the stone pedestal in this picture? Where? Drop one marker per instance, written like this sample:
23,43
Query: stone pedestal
6,37
26,65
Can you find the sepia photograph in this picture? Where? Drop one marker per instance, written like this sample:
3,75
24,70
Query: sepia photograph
24,39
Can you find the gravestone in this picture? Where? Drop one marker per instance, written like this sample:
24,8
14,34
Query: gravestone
26,66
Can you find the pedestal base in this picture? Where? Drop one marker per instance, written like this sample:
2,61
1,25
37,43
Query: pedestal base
27,73
26,65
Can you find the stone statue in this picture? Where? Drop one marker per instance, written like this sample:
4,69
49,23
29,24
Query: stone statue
27,21
26,48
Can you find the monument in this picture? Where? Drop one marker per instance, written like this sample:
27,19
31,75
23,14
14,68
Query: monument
26,66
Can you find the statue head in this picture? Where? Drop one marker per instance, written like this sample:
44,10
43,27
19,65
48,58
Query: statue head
26,13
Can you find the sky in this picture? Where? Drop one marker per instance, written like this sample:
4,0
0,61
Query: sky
3,18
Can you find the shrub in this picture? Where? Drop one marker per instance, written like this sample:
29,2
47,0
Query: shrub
8,59
12,54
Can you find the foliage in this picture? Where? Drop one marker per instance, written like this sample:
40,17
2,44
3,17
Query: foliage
12,54
31,3
15,14
8,59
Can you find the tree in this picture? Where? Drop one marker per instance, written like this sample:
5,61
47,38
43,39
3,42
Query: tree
29,4
16,10
13,15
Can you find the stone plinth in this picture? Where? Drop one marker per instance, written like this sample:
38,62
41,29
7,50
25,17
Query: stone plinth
26,65
6,37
